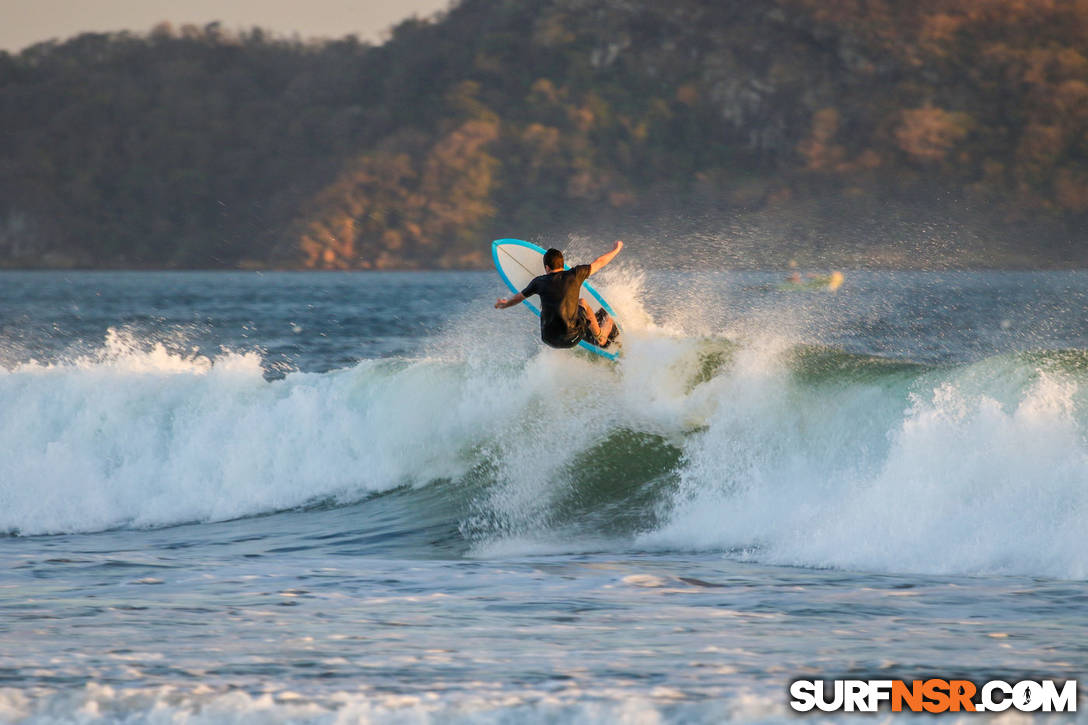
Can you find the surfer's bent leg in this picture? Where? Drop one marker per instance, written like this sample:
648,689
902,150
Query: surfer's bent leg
601,334
606,326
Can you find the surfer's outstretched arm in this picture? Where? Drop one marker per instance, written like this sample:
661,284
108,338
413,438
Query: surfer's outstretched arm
502,304
605,258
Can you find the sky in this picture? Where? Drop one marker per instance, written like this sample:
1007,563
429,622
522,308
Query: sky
25,22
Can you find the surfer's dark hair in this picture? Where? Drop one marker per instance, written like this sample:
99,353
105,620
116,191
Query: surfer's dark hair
553,259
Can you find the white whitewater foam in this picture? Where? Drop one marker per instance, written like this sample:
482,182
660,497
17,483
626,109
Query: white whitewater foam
139,436
971,470
97,704
957,481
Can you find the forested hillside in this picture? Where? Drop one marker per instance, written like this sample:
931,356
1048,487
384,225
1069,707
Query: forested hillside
850,131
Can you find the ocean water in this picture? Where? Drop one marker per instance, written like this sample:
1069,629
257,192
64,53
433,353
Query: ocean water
341,498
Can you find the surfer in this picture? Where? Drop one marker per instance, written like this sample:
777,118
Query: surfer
565,317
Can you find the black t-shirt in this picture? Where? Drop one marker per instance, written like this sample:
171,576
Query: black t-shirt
559,292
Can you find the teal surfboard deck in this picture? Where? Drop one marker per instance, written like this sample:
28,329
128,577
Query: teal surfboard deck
518,262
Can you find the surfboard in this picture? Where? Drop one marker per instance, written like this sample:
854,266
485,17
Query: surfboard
518,262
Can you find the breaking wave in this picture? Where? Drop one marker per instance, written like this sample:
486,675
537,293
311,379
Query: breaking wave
754,447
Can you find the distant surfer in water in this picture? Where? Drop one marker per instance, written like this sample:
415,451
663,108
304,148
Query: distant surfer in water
565,317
